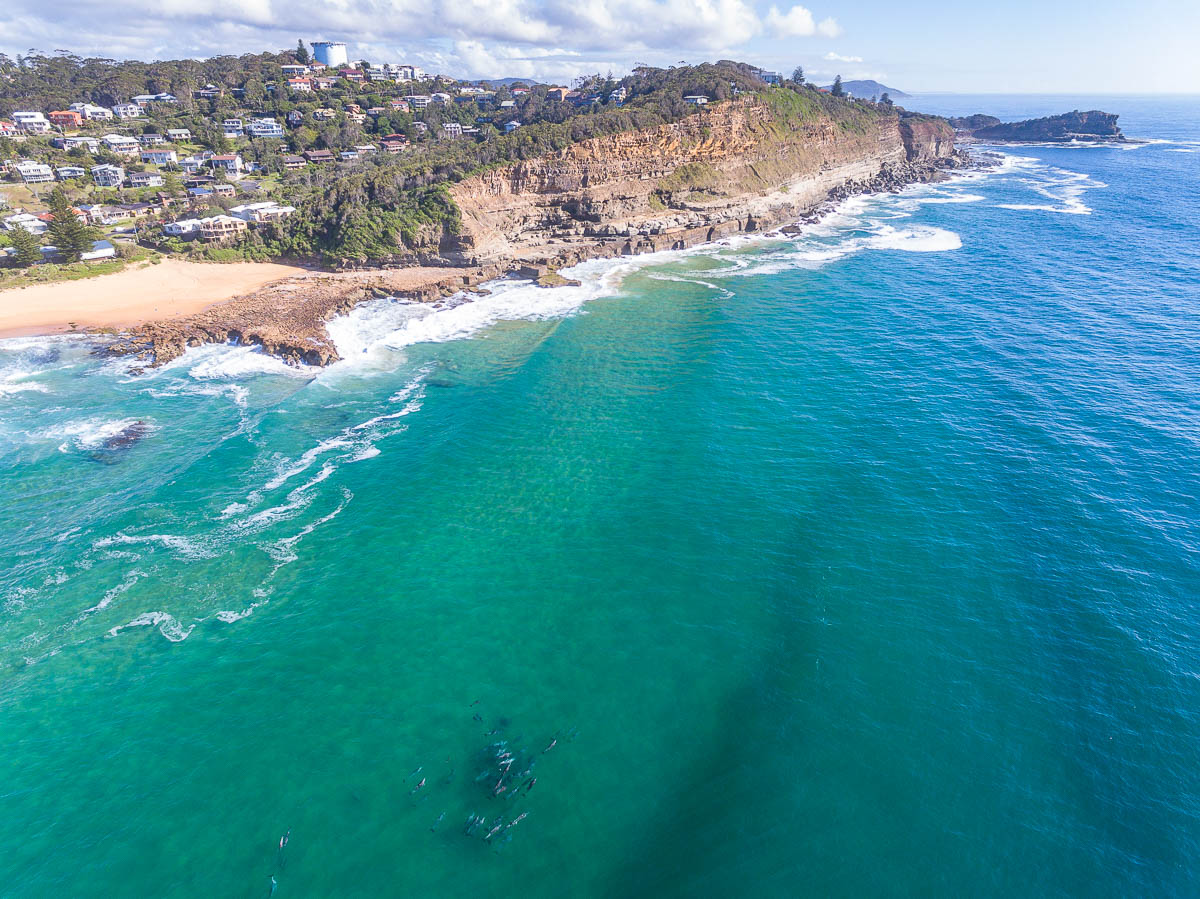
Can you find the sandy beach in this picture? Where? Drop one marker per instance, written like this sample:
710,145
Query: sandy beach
133,296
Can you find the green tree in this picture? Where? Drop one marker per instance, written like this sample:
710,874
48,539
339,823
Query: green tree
885,99
29,250
798,74
69,235
302,56
837,89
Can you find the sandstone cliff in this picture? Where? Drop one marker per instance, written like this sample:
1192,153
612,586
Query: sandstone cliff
1092,125
738,166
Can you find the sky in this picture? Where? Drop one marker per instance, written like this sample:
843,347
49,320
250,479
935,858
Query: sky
1002,46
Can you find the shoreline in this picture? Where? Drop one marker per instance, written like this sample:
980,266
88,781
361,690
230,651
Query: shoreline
287,317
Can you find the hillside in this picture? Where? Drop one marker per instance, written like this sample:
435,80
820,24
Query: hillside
1070,126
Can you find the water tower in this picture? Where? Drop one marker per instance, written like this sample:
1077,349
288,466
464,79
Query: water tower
332,53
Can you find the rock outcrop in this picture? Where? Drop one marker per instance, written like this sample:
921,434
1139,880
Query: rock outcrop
1070,126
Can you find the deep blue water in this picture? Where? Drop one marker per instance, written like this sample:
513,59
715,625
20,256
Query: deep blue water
865,562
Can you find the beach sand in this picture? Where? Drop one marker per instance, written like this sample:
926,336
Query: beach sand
135,295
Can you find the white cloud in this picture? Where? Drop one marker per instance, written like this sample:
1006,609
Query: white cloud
483,37
837,57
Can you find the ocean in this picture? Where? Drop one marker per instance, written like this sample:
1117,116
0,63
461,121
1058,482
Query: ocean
864,562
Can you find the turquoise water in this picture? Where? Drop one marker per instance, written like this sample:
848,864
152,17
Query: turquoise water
860,563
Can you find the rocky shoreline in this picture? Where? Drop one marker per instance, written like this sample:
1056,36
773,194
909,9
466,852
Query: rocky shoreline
287,318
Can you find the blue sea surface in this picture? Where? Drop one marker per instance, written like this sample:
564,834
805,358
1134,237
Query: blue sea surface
860,562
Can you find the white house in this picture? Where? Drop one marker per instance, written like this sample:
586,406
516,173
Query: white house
439,97
347,155
191,164
182,228
92,112
264,128
175,134
145,179
510,127
418,101
232,127
293,71
151,140
70,171
269,211
230,162
32,122
120,143
108,175
127,110
147,99
696,100
159,157
452,129
34,172
30,223
92,144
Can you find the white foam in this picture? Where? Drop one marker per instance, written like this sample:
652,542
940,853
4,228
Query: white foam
167,625
183,546
112,593
915,240
228,362
88,433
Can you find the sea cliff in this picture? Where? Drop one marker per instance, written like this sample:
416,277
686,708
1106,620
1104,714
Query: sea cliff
745,165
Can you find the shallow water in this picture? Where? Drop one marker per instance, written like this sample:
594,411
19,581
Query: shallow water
863,562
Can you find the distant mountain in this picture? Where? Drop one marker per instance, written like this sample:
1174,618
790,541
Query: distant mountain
870,90
508,82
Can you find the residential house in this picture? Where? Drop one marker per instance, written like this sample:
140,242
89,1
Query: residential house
324,113
421,127
66,118
221,227
510,127
7,129
136,210
347,155
294,70
65,172
30,223
151,140
264,128
127,110
452,129
199,193
222,189
160,157
182,228
91,112
120,143
108,175
31,122
232,128
268,211
351,75
324,82
34,172
365,148
304,85
406,73
230,162
696,100
178,134
618,96
508,104
191,164
101,249
295,118
291,163
144,100
398,105
418,101
318,156
91,144
145,179
208,92
439,97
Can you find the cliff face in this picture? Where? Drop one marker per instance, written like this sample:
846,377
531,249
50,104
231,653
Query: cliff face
740,165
